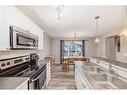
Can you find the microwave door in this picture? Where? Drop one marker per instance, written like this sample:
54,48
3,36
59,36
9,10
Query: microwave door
20,39
26,42
31,42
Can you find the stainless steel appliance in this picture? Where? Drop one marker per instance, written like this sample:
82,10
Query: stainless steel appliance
34,60
20,39
21,67
38,81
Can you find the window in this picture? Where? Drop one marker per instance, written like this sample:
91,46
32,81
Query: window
72,48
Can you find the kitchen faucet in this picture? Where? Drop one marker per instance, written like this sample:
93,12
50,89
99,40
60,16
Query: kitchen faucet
110,64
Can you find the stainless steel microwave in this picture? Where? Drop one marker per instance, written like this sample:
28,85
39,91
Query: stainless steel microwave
21,39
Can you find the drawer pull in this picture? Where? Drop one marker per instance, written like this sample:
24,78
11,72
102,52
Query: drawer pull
83,85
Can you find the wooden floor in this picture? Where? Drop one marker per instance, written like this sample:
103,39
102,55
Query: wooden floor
62,80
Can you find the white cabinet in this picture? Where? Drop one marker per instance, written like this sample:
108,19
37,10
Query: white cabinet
3,34
80,79
10,15
23,86
80,83
48,72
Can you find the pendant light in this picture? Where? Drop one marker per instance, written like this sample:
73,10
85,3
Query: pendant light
124,31
75,42
97,40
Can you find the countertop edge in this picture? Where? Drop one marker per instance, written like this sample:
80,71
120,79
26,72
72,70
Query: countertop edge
23,83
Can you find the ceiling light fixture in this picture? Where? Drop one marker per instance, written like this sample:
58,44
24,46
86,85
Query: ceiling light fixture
59,11
75,36
124,31
97,40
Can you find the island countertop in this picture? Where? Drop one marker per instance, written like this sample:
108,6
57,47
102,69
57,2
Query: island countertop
114,62
12,82
97,77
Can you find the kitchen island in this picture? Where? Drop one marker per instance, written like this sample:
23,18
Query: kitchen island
89,75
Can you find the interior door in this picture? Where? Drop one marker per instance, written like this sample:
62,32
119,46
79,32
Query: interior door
110,47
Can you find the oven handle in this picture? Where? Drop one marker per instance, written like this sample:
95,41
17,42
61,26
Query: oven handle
36,77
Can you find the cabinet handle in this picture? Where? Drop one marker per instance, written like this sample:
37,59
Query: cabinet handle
83,85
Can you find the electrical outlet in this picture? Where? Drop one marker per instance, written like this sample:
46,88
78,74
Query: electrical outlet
124,54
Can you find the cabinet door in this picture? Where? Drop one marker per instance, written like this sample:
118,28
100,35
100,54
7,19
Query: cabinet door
23,87
76,79
80,78
80,83
48,72
3,36
14,17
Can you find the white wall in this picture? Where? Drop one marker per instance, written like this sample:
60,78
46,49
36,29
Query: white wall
90,47
47,46
120,56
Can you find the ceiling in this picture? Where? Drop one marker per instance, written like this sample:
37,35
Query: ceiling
76,19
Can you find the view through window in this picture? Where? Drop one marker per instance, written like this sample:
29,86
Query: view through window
72,48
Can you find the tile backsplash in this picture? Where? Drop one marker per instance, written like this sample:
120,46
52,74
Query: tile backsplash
15,53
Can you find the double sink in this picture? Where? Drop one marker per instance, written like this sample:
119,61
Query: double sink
101,79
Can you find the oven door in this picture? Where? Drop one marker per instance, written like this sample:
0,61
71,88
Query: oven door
39,81
20,39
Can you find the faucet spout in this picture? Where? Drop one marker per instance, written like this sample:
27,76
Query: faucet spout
109,58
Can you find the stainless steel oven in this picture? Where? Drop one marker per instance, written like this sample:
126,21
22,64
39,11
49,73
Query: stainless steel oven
39,80
21,67
20,39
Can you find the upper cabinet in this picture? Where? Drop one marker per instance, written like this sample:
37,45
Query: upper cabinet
3,35
11,16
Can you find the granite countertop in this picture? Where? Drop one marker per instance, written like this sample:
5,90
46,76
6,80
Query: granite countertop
117,63
95,84
12,82
42,61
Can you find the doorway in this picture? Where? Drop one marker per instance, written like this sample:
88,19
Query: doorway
112,45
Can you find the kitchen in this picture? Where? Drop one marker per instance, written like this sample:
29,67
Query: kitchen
41,47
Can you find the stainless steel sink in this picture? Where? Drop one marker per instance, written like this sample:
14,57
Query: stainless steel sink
93,69
100,78
89,64
109,81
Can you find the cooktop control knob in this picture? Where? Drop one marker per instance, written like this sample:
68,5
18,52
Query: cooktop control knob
8,63
3,64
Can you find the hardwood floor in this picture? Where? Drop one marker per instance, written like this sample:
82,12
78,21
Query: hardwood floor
62,80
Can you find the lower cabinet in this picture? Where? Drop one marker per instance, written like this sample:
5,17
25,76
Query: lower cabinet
80,83
80,79
24,86
48,72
